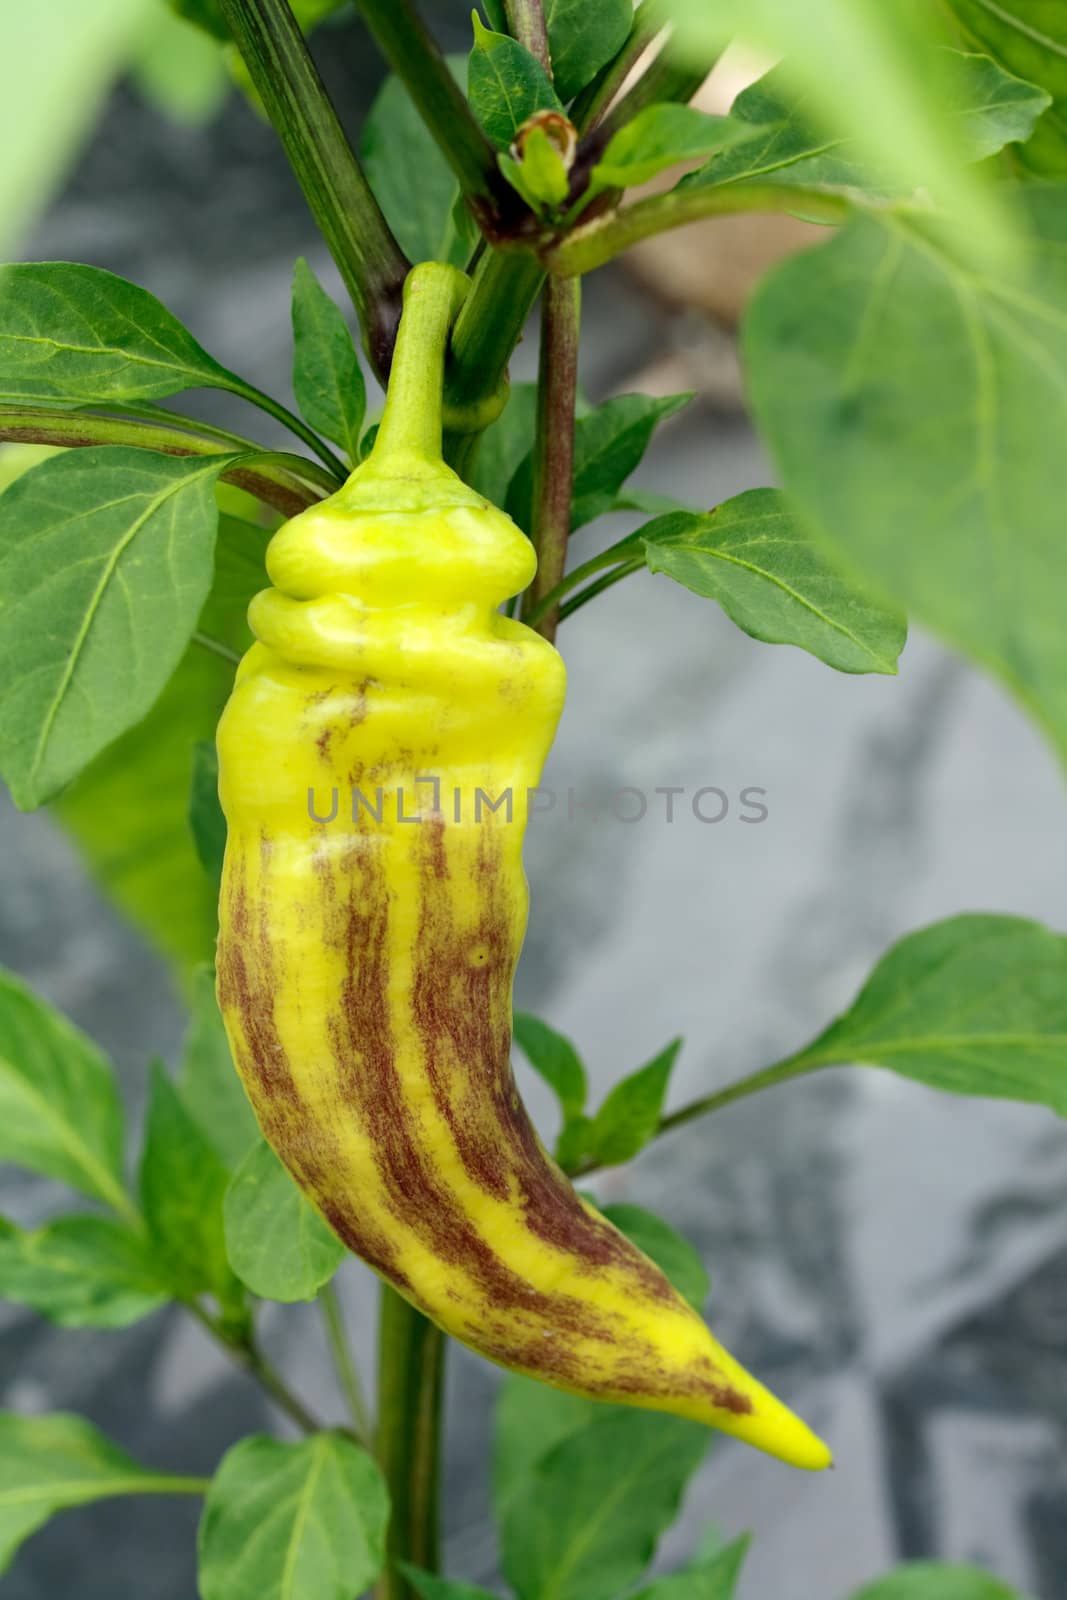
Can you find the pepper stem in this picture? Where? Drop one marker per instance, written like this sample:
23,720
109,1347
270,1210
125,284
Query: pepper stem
411,1353
410,429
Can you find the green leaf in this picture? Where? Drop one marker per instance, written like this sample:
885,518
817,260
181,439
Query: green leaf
673,1254
916,414
505,84
630,1114
933,1580
60,1113
554,1058
82,1272
531,1420
431,1588
106,563
659,137
1028,37
995,108
557,1061
710,1547
128,812
753,556
206,821
597,1504
411,179
327,377
891,91
716,1579
609,442
293,1521
50,1463
787,141
208,1082
505,442
277,1243
572,1142
973,1005
583,36
183,1182
81,334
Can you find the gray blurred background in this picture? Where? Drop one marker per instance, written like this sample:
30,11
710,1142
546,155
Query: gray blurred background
894,1262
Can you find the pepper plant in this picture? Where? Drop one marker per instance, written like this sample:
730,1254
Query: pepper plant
907,377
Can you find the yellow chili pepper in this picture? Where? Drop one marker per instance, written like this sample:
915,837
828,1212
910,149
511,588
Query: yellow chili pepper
365,965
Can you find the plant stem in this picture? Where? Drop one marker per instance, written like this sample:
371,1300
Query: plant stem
288,419
368,257
331,473
323,477
627,556
558,378
591,246
526,19
487,330
410,1385
251,1357
272,476
273,461
415,58
175,1486
768,1078
243,1348
782,1072
554,445
347,1376
145,411
591,591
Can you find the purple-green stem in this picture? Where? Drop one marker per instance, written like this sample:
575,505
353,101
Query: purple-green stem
370,261
526,20
286,482
554,446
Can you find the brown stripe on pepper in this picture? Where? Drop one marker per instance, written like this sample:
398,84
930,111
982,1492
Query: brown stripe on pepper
461,999
362,1037
246,982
